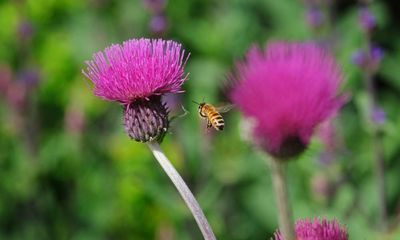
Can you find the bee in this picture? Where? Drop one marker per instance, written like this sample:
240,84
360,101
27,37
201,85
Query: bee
213,114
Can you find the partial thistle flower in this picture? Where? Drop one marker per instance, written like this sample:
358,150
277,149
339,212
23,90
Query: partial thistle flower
288,90
317,230
136,74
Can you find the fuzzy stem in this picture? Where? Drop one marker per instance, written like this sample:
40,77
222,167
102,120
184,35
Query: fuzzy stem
378,154
379,163
286,226
183,189
380,180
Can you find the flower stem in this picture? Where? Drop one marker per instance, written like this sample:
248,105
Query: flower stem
286,226
183,189
378,154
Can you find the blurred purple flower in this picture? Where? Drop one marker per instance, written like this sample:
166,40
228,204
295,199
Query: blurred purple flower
318,230
377,54
75,119
370,61
155,6
378,115
323,187
360,58
136,74
367,19
25,30
287,89
30,77
326,158
17,96
6,76
158,24
315,17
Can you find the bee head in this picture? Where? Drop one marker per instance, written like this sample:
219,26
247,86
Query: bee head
201,105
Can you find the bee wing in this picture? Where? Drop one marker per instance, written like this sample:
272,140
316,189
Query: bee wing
224,108
185,112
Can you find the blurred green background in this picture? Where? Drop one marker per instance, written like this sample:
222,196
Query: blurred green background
68,170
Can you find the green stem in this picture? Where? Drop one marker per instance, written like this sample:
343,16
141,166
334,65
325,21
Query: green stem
286,226
378,153
183,189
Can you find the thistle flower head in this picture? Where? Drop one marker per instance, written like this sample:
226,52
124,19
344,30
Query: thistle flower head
287,89
317,230
137,69
136,74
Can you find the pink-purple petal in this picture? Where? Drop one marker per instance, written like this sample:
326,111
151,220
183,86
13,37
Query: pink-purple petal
318,229
139,68
288,89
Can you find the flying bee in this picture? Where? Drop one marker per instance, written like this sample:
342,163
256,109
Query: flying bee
213,114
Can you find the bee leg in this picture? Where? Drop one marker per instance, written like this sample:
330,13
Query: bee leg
209,125
173,118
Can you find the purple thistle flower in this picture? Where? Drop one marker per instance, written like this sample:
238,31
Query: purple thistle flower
287,89
136,74
317,230
137,69
367,19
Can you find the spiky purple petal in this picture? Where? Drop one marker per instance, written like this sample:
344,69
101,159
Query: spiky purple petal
287,89
137,69
317,230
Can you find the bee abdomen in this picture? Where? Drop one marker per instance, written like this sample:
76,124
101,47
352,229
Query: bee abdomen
218,122
220,127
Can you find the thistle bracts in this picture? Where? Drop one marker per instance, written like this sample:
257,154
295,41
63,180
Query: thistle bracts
146,120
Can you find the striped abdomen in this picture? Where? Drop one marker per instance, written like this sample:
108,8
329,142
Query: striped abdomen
214,118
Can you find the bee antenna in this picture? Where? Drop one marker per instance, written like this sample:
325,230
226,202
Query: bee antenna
203,98
196,102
